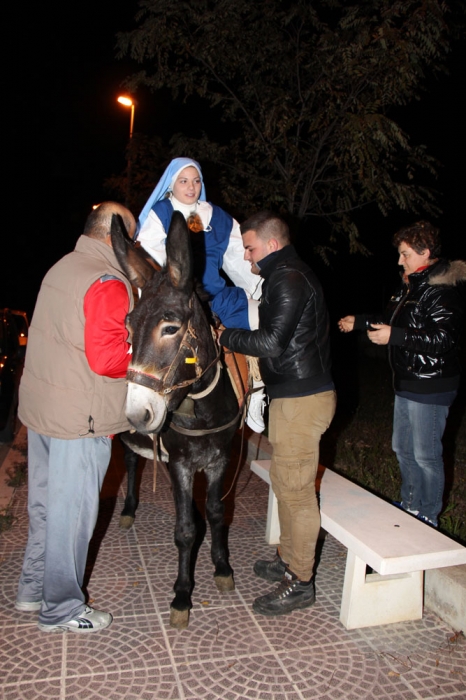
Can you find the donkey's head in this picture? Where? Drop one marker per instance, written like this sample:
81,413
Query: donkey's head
168,329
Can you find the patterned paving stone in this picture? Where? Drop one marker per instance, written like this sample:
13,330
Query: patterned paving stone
10,569
51,689
27,655
432,677
161,565
126,685
228,652
426,635
137,684
342,671
136,643
217,633
153,527
16,537
245,678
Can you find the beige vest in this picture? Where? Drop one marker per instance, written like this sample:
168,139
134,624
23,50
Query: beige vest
60,396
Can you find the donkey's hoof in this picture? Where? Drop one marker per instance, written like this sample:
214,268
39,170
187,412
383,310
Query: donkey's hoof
126,522
224,583
179,619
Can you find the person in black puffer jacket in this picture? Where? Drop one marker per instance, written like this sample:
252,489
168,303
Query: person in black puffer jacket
422,327
292,344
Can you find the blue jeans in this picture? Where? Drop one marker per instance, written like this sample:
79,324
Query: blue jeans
417,441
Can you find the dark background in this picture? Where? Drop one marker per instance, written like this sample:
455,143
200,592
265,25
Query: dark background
65,134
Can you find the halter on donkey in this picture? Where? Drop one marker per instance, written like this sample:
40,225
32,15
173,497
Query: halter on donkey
174,356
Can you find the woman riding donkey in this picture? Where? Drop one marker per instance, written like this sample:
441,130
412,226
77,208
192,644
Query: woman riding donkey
217,243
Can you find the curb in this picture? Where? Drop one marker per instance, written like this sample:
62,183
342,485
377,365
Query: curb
445,595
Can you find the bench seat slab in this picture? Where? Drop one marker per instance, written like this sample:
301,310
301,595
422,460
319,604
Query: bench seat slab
396,545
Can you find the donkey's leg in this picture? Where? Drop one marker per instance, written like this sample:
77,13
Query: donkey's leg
131,501
215,510
185,534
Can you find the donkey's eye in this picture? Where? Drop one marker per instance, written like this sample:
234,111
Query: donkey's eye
170,330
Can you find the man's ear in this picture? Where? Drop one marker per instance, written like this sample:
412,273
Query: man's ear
273,245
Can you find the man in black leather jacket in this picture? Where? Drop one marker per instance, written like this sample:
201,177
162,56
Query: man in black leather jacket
292,344
422,327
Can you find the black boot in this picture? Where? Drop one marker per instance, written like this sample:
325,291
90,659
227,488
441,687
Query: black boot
270,570
291,594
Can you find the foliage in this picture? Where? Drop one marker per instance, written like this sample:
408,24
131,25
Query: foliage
6,520
17,474
306,89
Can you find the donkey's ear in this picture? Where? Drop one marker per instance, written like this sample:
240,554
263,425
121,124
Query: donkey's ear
179,253
138,270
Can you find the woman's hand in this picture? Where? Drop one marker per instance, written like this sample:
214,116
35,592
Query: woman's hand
380,335
346,324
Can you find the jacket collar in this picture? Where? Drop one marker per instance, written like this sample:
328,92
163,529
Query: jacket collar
420,276
268,264
97,249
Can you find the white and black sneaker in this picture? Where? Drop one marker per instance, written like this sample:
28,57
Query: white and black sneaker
90,620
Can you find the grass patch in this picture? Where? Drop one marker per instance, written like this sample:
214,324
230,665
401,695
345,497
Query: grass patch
6,520
17,474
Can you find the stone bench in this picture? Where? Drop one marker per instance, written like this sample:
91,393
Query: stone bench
395,545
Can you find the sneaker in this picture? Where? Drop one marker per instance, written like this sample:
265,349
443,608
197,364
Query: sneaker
28,605
291,594
90,620
400,504
270,570
426,520
255,414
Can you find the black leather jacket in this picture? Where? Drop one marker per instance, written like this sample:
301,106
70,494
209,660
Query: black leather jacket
426,318
292,341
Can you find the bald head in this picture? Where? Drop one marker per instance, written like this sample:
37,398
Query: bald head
99,221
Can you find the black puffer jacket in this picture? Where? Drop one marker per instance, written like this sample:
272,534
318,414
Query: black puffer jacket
426,316
292,341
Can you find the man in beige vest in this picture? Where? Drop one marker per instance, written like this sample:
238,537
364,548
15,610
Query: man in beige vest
72,399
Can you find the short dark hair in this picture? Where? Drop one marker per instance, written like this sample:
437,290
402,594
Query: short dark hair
95,225
420,236
98,223
267,225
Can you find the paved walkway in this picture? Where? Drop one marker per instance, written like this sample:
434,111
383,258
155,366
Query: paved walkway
227,653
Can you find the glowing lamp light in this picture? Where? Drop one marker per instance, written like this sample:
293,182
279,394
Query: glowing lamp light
125,101
128,102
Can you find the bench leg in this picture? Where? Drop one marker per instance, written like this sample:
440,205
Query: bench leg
272,528
372,599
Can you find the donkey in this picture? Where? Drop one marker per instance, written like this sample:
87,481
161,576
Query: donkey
177,387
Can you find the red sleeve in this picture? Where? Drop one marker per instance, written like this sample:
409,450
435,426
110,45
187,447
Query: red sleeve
106,305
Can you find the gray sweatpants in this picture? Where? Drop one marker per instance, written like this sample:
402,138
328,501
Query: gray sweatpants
65,478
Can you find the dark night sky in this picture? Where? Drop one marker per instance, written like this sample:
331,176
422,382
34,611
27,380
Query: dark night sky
66,134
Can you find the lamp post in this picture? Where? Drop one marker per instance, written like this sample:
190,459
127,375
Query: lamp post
128,102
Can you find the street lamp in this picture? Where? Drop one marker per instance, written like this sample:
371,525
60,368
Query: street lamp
128,102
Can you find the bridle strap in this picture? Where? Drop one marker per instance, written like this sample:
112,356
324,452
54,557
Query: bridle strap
210,388
166,385
206,431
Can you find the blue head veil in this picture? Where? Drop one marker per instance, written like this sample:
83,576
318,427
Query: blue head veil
164,185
